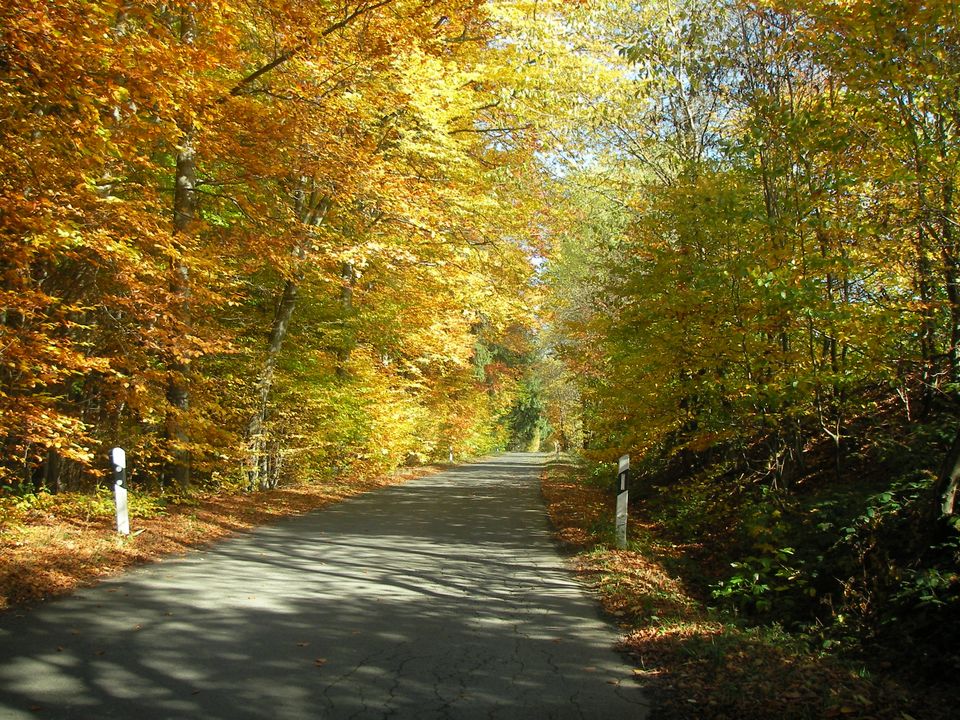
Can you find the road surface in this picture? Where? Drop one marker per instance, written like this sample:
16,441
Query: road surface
442,598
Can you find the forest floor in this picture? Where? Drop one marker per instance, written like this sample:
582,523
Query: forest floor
696,663
50,545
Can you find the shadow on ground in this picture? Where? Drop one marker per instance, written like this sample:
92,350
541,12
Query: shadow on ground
442,598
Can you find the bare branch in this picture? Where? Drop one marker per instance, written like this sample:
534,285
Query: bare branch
501,130
297,49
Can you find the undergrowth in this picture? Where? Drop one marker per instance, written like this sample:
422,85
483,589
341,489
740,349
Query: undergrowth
706,641
20,507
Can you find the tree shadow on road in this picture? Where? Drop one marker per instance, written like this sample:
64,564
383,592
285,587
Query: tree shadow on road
443,599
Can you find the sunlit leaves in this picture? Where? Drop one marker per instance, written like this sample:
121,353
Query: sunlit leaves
357,151
786,248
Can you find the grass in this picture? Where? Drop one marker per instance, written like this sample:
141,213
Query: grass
50,545
697,662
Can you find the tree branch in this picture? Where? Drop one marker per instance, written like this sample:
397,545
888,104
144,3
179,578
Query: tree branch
297,49
501,130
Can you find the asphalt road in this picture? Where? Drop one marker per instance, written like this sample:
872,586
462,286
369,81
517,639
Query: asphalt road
442,598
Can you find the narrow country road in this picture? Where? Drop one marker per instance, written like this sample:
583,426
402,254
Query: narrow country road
442,598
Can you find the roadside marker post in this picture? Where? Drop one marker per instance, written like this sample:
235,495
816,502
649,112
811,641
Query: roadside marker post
623,499
119,460
623,473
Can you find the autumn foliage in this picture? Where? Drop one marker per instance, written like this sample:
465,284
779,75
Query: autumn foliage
754,292
245,241
270,241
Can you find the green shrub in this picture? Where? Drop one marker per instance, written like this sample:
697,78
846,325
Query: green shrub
762,582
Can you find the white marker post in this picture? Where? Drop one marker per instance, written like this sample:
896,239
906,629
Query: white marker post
623,498
119,459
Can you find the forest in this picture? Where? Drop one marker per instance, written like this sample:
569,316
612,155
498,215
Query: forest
275,242
254,242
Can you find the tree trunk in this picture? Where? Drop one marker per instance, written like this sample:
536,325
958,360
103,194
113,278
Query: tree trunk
262,474
948,482
52,470
348,277
952,275
184,207
259,475
178,388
